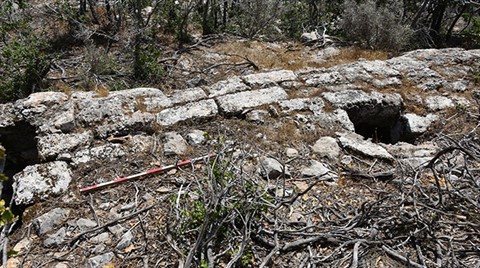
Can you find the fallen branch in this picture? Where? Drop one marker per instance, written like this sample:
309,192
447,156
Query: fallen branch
399,257
110,223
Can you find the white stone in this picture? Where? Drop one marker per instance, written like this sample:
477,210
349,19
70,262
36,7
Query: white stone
236,103
316,169
174,144
327,147
54,144
38,182
356,143
418,124
196,137
269,78
302,104
188,95
435,103
291,152
231,85
196,110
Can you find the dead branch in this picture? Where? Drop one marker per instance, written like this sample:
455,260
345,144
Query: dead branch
110,223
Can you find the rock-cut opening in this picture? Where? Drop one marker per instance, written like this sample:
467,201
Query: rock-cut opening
21,151
378,133
380,127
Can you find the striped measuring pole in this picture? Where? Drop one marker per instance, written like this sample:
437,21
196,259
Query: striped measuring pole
141,174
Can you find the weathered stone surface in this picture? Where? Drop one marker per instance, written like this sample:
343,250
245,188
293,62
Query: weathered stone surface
231,85
269,78
7,115
416,124
316,169
100,260
174,144
197,110
125,241
407,150
354,142
65,121
302,104
236,103
54,144
272,169
327,147
291,152
38,182
85,224
101,238
338,118
324,78
369,108
107,151
196,137
48,221
188,95
56,239
435,103
257,116
137,121
309,37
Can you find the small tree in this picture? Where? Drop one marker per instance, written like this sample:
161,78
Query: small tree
375,26
23,62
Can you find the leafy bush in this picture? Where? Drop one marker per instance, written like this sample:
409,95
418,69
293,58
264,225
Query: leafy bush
23,62
375,26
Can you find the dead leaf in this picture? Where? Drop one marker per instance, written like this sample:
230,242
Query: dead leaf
129,248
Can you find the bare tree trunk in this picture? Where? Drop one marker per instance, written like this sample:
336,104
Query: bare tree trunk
436,24
457,17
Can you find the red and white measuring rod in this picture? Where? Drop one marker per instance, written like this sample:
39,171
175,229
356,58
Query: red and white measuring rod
141,174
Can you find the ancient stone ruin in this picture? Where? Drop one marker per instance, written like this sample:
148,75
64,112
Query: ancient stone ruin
371,158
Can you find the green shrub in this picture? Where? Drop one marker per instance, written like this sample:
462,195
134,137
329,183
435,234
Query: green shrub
375,26
23,62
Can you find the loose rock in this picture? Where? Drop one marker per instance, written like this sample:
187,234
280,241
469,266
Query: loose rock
174,144
272,169
356,143
48,221
327,147
38,182
100,260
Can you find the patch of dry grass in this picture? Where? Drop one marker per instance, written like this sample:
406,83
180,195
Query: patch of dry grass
293,56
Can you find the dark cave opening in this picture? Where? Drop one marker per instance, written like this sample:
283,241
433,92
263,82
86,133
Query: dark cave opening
378,133
20,151
388,128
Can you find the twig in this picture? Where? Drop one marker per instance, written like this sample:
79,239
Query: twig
399,257
355,255
113,222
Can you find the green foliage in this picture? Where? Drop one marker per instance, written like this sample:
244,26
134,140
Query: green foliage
6,216
473,31
23,60
375,26
294,19
146,66
475,73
